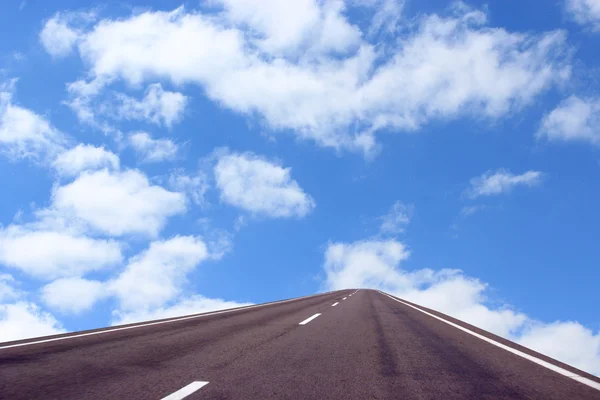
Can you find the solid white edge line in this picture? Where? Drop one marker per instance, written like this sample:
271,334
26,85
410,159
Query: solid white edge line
157,322
555,368
335,304
186,391
307,320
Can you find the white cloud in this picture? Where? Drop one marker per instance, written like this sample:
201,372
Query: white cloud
83,158
25,134
287,28
152,150
585,12
501,181
158,106
365,264
150,286
386,17
248,60
7,289
49,254
73,295
20,319
376,264
194,186
81,94
397,219
260,186
191,305
24,320
156,276
574,119
569,342
57,37
116,203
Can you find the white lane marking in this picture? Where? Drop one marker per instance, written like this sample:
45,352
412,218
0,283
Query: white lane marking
335,304
529,357
344,298
157,322
307,320
186,391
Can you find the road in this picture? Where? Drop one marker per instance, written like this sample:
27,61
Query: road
368,345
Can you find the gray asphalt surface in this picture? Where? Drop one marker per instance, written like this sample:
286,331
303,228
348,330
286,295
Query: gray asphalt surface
367,347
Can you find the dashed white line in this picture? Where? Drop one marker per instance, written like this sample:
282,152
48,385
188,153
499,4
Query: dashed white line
344,298
151,323
307,320
335,304
519,353
186,391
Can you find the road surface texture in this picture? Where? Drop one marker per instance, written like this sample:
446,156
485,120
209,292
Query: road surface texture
367,346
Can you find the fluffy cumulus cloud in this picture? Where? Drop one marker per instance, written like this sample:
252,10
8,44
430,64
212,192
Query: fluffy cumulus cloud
117,203
501,181
396,220
158,106
377,264
57,37
306,69
150,286
186,306
19,318
57,254
585,12
155,276
260,186
574,119
73,295
584,348
152,150
7,288
22,320
83,158
285,29
25,134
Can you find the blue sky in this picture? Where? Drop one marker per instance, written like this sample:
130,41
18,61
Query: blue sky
158,161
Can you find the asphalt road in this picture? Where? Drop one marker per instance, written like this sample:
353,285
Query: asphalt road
368,346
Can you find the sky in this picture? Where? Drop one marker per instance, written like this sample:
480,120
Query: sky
159,160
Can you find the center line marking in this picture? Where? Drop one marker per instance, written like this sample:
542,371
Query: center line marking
335,304
186,391
344,298
307,320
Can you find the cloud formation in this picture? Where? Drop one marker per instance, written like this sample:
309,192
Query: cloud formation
574,119
57,37
158,106
260,186
501,181
584,12
85,158
25,134
309,71
57,254
116,203
396,220
377,264
152,150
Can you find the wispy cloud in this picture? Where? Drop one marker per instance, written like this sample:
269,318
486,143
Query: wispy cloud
501,181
